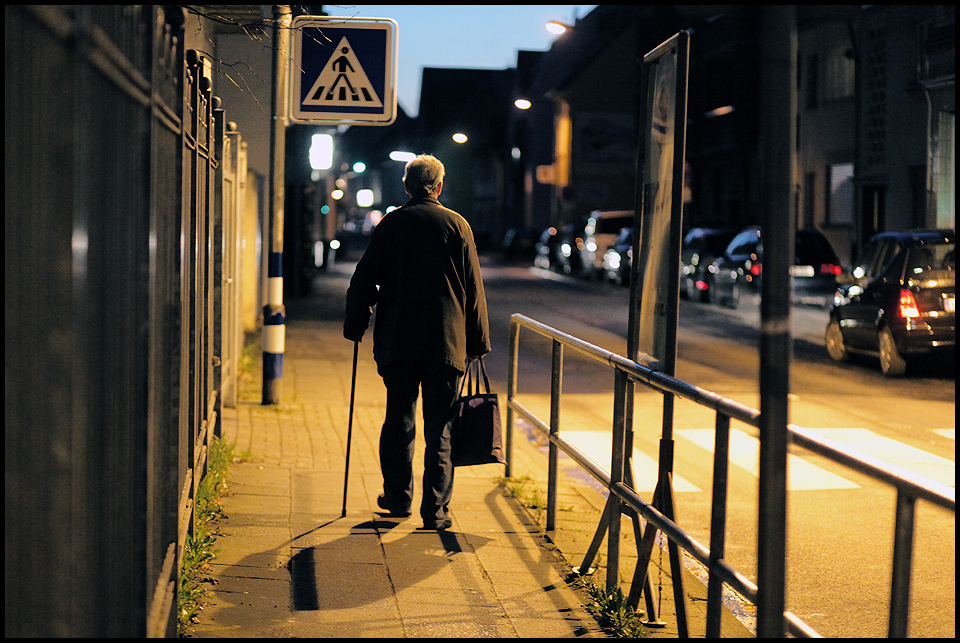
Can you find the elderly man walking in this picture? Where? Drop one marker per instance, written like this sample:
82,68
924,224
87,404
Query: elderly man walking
422,273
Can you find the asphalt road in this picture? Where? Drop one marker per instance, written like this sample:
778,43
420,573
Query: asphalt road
840,527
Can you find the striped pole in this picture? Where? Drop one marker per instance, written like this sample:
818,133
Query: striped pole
274,331
273,311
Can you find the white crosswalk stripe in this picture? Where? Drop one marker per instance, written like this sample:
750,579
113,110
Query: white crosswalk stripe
802,475
745,453
947,433
596,444
895,452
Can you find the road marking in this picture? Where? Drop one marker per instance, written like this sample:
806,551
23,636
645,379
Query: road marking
896,453
947,433
745,453
801,474
596,445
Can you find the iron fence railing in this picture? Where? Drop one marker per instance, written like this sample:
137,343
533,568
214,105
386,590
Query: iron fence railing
123,203
623,497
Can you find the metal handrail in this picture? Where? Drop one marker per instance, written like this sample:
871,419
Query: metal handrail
910,486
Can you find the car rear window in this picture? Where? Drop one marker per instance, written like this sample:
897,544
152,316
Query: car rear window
612,225
717,243
814,248
932,257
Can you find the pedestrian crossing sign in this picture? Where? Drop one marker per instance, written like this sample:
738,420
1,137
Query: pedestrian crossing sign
343,71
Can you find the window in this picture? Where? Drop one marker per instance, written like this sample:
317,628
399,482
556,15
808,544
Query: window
840,203
838,80
944,164
809,192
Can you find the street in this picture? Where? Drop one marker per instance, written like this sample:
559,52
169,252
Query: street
840,530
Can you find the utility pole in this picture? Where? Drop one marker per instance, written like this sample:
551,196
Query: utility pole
274,329
778,121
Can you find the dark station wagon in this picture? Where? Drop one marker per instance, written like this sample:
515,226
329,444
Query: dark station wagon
898,301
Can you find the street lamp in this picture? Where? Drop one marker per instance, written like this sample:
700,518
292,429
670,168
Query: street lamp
364,198
403,157
460,137
321,152
522,103
557,27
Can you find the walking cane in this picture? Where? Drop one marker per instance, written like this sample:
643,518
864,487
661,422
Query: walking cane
353,390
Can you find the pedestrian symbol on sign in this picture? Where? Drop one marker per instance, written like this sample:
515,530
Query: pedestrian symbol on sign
342,82
351,83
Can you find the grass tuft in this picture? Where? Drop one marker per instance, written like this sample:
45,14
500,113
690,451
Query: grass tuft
198,551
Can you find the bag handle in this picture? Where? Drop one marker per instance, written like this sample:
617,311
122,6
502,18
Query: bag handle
468,379
483,371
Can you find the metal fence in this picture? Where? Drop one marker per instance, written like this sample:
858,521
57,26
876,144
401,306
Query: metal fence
623,498
121,330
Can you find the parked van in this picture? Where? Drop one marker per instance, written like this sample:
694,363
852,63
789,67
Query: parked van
600,233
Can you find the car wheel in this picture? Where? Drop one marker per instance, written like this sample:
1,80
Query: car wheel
702,296
735,292
710,295
892,363
834,340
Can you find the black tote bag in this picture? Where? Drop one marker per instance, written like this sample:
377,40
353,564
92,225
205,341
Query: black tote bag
475,433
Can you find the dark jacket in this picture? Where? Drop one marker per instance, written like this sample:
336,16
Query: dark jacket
422,272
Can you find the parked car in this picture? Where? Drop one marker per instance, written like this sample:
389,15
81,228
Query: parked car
547,248
569,257
700,247
559,249
618,257
519,243
738,271
898,301
599,233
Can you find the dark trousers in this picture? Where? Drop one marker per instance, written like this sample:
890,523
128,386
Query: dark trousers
404,381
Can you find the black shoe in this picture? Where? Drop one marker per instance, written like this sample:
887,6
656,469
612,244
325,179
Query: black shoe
437,525
392,511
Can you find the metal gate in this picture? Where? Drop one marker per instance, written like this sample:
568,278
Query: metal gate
121,311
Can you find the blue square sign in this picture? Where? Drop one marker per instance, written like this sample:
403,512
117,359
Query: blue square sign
343,71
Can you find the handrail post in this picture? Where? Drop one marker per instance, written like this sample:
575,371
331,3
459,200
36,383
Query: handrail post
556,387
718,523
512,357
616,475
902,563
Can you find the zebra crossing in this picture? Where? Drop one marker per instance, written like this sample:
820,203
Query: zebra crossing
802,474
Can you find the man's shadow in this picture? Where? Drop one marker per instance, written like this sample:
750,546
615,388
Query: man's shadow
352,571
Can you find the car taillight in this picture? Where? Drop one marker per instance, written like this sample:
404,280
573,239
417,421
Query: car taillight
908,305
830,269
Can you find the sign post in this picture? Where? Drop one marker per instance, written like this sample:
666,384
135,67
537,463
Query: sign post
343,71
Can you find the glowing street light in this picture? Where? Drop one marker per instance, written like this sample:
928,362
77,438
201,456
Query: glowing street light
557,27
364,198
321,152
460,137
522,103
403,157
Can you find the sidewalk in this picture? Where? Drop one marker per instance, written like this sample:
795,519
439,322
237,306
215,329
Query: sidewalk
290,566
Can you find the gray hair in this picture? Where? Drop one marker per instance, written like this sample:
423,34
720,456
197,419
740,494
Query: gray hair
422,176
